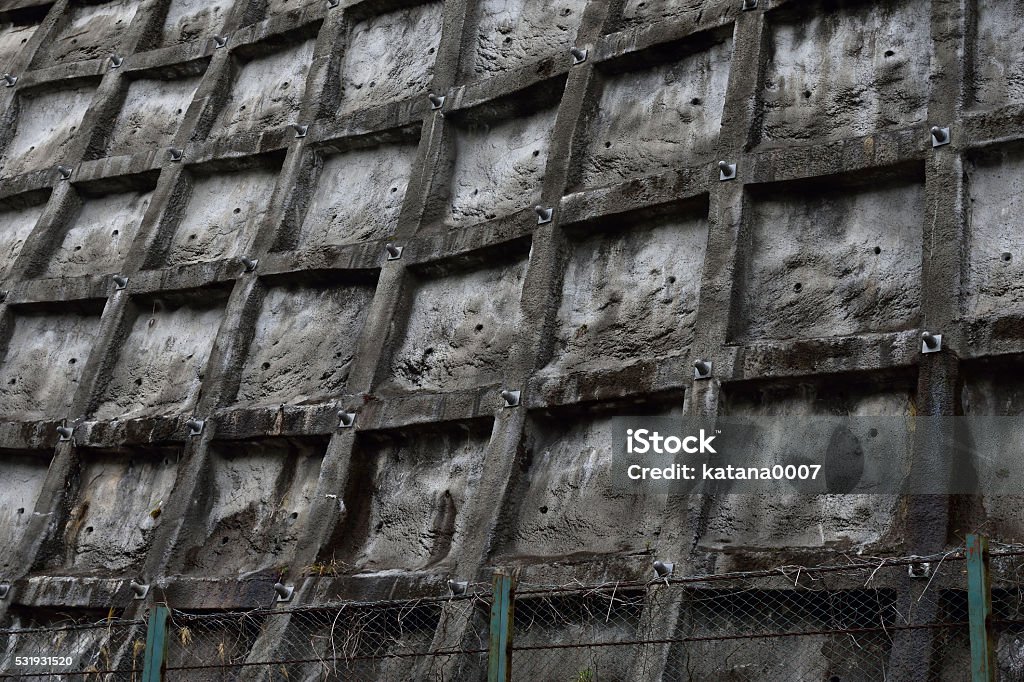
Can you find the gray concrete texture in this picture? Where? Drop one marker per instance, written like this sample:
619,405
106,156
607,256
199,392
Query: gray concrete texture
807,280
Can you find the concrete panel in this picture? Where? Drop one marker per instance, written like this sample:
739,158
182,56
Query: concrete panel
513,33
630,294
642,12
117,509
839,73
255,507
759,521
13,37
831,262
391,57
676,123
304,344
358,196
189,20
43,363
15,226
99,238
150,115
459,330
419,485
998,64
93,32
224,212
44,128
161,364
996,209
21,480
564,503
499,168
266,91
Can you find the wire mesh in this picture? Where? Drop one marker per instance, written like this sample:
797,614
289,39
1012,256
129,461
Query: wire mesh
837,624
81,646
1007,578
380,641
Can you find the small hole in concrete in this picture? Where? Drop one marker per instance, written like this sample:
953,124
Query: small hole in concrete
179,111
266,365
21,510
394,189
607,145
1007,256
78,248
88,529
138,382
671,280
566,12
508,40
12,382
72,361
544,510
241,108
237,211
224,541
798,286
191,236
807,94
889,53
115,233
479,327
878,250
873,432
834,678
696,101
430,51
295,515
155,514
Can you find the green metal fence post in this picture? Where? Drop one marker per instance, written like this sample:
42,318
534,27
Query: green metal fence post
979,604
499,659
156,645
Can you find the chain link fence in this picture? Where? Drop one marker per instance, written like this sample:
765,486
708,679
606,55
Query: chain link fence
842,623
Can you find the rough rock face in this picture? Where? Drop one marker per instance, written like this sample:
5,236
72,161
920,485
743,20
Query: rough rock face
412,374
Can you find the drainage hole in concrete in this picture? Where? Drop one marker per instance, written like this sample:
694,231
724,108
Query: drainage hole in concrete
889,53
1007,256
798,286
266,365
237,210
295,515
88,529
543,510
12,382
21,510
536,152
115,233
878,250
78,248
671,280
607,145
138,382
696,101
191,236
807,94
72,361
479,327
394,189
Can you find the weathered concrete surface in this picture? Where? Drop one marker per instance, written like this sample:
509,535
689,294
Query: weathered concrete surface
150,115
415,516
499,167
119,505
189,20
43,363
460,330
47,122
159,369
16,224
825,262
260,493
641,12
839,521
358,196
630,294
223,213
266,91
304,344
841,74
564,504
675,124
391,56
13,36
997,68
21,481
98,239
996,207
514,33
94,32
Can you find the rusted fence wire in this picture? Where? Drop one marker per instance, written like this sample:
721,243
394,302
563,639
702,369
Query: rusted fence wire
855,620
